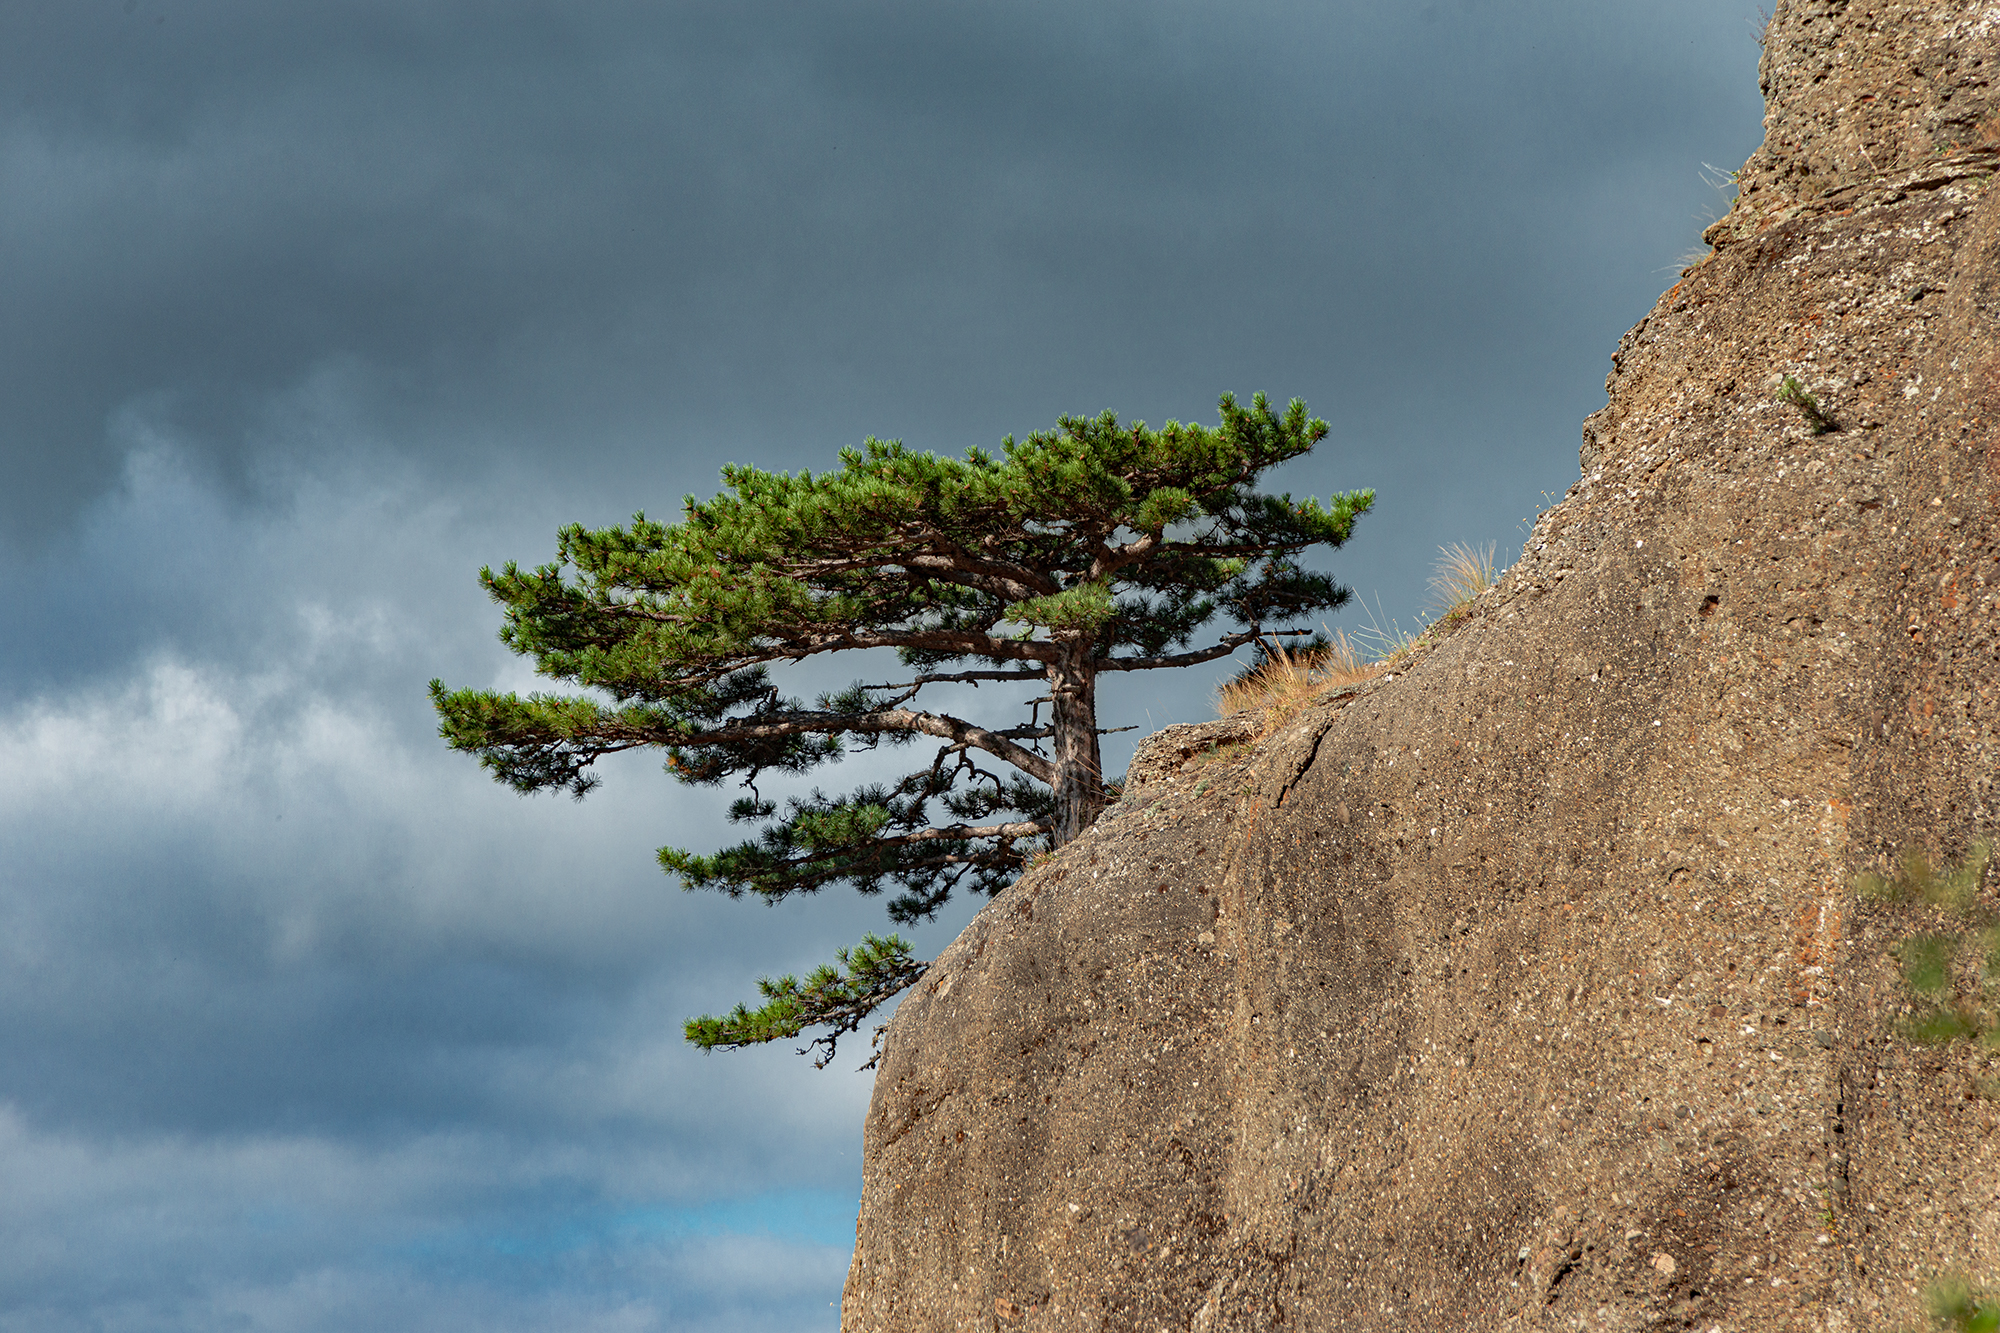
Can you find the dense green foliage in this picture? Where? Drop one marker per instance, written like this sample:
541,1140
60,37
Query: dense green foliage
1098,547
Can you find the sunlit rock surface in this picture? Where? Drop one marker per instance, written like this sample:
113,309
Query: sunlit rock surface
1527,989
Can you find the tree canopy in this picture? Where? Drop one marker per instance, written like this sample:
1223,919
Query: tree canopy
1097,547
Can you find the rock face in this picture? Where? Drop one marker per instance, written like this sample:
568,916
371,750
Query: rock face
1526,989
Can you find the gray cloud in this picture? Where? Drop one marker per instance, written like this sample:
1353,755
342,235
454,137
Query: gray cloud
599,235
436,1232
310,311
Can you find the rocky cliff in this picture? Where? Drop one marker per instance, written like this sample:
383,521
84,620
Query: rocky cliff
1527,989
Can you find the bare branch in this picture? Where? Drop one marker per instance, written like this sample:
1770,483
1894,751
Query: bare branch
952,832
910,688
960,677
1117,557
889,719
1001,578
950,641
1228,644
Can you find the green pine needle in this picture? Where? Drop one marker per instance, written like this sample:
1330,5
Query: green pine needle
836,997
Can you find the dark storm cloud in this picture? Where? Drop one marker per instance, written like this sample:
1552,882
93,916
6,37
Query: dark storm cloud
588,232
309,311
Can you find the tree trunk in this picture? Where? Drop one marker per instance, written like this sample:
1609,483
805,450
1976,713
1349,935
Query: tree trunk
1079,781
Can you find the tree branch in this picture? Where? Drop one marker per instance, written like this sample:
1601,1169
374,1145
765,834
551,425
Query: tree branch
1227,645
891,719
830,863
939,641
1026,828
1000,578
1017,583
867,977
960,677
1117,557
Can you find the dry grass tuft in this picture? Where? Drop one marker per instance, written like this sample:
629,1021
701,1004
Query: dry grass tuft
1389,646
1286,681
1463,572
1283,682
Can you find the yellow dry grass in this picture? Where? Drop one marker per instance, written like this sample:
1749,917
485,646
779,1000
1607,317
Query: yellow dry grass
1288,681
1463,572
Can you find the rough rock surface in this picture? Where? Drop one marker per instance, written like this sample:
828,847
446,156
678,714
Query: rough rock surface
1527,989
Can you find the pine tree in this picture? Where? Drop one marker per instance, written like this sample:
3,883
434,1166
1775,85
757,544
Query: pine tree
1097,547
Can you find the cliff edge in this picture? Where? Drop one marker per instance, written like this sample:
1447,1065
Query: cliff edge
1527,989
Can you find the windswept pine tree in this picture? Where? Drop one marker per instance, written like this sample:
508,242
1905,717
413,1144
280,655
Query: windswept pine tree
1097,547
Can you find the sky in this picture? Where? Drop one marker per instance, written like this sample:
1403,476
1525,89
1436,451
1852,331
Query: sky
307,312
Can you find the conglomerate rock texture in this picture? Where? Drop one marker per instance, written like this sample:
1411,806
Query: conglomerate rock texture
1526,988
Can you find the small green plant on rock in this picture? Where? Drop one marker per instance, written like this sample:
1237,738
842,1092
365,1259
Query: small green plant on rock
1953,979
1958,1306
1219,754
1797,395
1935,963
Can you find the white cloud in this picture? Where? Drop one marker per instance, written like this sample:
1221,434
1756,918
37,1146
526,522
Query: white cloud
294,1001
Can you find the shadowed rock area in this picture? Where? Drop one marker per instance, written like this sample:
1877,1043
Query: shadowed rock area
1527,988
